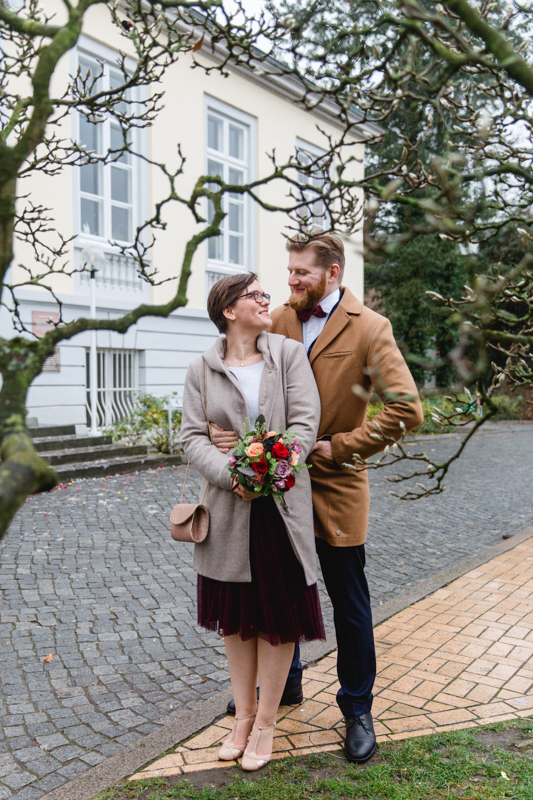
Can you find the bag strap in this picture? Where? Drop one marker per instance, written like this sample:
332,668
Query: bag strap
209,429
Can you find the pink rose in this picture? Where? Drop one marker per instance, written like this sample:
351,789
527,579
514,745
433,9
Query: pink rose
255,450
282,470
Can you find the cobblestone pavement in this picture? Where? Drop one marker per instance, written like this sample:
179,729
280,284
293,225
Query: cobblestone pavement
89,575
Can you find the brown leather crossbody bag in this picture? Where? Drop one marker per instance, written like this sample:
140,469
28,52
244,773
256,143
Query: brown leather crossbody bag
190,521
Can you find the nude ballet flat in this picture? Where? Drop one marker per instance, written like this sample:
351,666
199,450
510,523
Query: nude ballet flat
250,760
229,750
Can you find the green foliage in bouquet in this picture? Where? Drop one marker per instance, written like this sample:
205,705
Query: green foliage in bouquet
148,424
246,438
266,462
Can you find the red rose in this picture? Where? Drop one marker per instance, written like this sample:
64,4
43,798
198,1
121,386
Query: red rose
279,450
260,467
290,480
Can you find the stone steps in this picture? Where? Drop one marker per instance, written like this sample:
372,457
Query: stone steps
53,431
102,452
46,444
76,457
115,466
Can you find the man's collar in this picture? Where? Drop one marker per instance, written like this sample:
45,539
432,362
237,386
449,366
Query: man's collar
330,301
349,303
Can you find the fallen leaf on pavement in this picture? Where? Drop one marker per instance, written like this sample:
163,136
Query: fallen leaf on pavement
48,658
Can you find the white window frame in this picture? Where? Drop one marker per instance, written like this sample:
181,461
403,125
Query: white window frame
96,51
312,152
217,268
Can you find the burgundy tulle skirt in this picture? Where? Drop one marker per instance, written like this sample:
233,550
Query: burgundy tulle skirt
277,605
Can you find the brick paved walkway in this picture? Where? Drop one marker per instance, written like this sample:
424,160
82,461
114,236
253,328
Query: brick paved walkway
88,574
458,659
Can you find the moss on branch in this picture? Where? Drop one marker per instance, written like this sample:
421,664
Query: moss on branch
22,471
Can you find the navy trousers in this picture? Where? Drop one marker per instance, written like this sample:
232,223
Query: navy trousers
343,569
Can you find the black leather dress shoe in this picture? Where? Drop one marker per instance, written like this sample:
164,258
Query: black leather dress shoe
290,697
360,744
293,696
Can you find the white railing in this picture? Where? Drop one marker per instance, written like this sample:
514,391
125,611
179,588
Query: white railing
211,278
117,386
119,274
214,275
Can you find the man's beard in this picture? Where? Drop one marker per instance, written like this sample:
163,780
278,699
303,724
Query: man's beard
310,296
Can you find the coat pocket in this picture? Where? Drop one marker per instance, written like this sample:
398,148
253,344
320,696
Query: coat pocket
320,461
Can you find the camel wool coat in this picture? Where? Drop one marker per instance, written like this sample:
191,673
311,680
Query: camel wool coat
355,348
288,399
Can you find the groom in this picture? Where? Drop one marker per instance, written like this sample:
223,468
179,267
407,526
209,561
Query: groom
348,345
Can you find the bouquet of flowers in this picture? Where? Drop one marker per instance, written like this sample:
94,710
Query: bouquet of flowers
266,462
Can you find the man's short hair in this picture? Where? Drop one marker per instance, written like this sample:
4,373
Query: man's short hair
224,293
327,247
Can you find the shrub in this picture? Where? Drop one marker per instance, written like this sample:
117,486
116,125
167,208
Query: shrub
512,407
148,423
509,407
428,407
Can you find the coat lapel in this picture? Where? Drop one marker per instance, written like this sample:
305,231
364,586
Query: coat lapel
335,325
337,322
294,326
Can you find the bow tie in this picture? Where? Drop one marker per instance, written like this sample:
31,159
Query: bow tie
316,311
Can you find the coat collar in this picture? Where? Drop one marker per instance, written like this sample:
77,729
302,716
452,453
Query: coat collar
269,344
349,305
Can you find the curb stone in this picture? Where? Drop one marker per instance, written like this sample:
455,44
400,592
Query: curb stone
136,755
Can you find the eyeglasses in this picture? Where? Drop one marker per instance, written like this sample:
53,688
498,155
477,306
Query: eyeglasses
260,297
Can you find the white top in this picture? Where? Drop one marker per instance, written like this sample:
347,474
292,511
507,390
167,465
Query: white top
314,326
250,379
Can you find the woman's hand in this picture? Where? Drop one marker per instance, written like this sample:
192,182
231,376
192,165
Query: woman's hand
245,494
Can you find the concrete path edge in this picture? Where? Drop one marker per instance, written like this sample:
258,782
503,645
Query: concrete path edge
136,755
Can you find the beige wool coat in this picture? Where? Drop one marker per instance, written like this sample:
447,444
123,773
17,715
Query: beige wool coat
288,398
355,348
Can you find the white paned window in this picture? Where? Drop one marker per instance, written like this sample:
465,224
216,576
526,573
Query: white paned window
107,193
229,155
314,184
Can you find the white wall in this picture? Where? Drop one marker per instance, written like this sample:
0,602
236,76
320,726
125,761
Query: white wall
167,346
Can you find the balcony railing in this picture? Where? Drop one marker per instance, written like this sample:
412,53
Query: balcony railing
212,275
119,274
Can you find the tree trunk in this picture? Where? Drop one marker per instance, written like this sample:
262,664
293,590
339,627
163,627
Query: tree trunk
22,471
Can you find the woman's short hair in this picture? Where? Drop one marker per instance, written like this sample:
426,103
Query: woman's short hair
327,248
224,293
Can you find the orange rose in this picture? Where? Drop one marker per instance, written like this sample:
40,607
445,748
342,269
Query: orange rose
255,450
269,434
294,458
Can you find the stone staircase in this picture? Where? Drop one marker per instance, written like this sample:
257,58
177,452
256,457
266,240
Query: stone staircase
92,456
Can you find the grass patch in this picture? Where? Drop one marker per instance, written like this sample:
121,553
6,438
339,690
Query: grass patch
475,764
